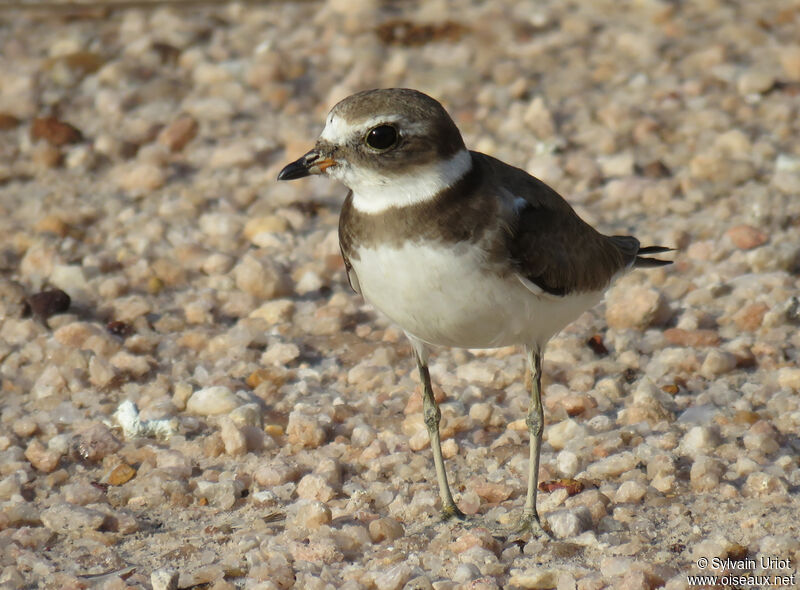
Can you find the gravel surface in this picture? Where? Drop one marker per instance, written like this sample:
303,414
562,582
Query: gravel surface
192,396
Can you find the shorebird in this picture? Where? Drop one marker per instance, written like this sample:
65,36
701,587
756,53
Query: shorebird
458,248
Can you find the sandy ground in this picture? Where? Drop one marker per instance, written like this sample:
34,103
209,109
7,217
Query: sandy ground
280,441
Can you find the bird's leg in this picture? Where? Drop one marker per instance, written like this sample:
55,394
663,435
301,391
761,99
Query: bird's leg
432,417
535,421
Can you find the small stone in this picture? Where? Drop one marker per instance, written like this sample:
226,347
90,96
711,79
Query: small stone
569,522
280,353
314,487
66,518
42,458
265,224
121,474
45,156
534,578
95,443
630,491
275,312
561,433
307,514
305,430
49,303
760,484
234,155
746,237
132,364
635,307
211,401
755,81
694,338
393,578
164,579
750,317
222,494
539,119
617,165
716,363
54,131
699,440
705,474
383,529
178,133
613,465
568,463
139,177
789,377
261,278
233,438
789,57
761,437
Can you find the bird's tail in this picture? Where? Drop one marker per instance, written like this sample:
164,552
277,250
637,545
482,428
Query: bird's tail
642,262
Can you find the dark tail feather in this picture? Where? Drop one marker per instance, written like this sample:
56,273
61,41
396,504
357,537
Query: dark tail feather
642,262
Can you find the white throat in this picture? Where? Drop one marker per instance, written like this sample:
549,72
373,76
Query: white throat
375,193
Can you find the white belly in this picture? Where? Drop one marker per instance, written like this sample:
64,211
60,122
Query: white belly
448,298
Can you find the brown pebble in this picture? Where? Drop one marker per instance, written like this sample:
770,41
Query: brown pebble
697,338
746,417
54,131
178,133
49,303
121,474
751,316
42,458
746,237
8,121
385,529
671,389
597,345
52,224
656,169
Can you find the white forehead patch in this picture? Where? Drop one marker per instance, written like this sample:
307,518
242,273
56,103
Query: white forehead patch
337,130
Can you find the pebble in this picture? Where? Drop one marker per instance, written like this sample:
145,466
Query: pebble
232,437
699,440
635,307
66,518
211,401
178,133
385,529
305,430
49,303
95,443
630,491
560,434
569,522
613,465
716,363
138,177
534,577
164,579
705,473
746,237
307,515
314,487
261,278
55,131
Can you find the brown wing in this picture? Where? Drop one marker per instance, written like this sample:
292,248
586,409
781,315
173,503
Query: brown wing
550,245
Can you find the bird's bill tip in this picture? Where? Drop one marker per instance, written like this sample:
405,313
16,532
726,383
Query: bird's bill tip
308,164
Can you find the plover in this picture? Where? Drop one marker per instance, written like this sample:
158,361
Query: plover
458,248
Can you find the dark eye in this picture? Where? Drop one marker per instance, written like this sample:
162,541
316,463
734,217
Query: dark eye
381,137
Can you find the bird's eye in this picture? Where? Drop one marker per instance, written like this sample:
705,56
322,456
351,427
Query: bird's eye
381,137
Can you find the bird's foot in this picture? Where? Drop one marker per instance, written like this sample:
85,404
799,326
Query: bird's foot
451,511
528,527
